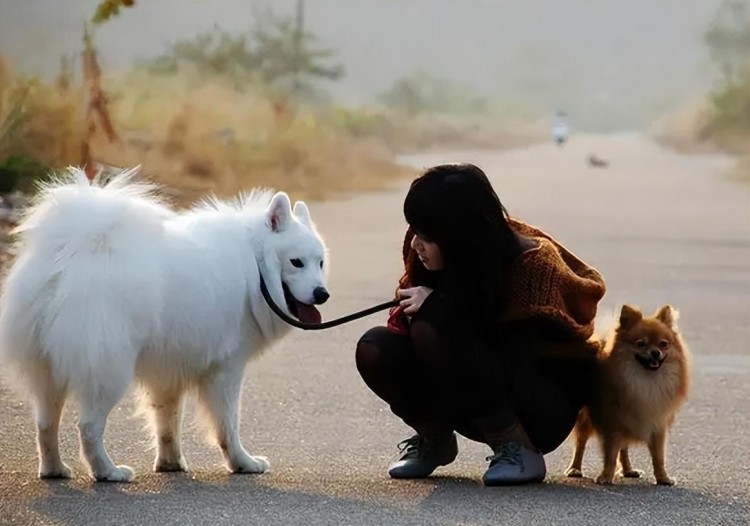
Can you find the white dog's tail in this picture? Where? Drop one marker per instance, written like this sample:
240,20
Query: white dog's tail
85,283
72,195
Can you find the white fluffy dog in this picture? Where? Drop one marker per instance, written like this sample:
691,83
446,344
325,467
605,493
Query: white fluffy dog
111,286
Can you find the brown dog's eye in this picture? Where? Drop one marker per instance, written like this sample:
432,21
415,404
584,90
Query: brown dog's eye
641,344
663,345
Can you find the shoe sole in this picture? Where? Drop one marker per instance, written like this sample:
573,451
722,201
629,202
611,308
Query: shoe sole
494,483
420,476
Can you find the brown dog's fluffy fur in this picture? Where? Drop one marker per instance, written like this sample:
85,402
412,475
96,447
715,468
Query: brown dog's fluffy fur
645,370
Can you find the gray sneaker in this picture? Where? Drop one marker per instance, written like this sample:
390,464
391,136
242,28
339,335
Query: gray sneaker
512,463
420,457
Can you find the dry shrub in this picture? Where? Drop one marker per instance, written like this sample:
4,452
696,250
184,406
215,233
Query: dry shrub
404,133
694,128
686,127
40,121
211,138
195,136
192,137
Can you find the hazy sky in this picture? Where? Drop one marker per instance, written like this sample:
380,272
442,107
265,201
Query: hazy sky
609,63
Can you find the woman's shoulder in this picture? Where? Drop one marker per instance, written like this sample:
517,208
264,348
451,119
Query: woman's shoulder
549,281
527,230
548,258
548,252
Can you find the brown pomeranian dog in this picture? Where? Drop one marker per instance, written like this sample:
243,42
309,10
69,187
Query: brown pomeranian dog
645,372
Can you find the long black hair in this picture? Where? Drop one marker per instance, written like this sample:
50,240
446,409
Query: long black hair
455,206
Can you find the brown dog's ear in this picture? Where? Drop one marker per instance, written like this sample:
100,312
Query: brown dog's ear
667,315
629,316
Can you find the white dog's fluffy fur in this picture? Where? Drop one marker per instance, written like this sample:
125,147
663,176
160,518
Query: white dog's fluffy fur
110,286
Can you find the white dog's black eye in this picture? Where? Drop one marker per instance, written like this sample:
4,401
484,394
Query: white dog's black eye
297,263
321,264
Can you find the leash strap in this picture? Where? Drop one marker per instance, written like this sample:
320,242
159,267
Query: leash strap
320,326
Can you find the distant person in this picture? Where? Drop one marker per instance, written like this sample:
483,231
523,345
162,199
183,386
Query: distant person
491,337
560,129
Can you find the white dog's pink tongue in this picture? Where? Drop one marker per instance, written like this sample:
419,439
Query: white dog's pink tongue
308,313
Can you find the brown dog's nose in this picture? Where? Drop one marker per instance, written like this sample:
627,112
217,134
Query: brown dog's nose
655,355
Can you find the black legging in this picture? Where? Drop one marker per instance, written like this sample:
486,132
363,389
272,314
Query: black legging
442,376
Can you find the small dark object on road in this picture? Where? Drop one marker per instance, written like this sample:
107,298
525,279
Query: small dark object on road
597,162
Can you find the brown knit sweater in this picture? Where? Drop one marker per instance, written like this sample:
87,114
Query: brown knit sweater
550,282
546,282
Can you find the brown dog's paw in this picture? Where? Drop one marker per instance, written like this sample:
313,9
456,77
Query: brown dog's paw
665,481
573,473
604,480
633,474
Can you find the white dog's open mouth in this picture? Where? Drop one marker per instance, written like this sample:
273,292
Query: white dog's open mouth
302,311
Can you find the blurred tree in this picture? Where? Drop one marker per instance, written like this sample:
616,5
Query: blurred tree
728,39
211,53
278,52
289,56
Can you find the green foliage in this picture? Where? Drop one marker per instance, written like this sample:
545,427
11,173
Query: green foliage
728,39
19,173
212,53
359,123
424,93
108,9
732,105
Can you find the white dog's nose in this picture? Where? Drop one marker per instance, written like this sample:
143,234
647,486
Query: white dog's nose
320,295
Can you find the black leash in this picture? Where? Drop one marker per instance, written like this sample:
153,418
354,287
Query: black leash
325,325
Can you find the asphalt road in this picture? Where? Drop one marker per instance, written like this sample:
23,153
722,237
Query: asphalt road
662,228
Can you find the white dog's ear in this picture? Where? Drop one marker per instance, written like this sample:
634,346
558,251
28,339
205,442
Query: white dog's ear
302,213
279,212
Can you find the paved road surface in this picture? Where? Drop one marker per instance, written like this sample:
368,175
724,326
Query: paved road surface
661,227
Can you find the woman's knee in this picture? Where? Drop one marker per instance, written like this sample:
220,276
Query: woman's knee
367,358
376,349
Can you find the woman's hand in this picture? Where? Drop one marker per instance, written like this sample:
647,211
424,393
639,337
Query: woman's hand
412,299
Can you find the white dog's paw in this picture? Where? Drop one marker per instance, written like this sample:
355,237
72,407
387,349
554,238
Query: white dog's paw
168,465
60,471
250,464
119,474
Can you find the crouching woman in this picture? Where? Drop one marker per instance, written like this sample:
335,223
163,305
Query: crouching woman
492,336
